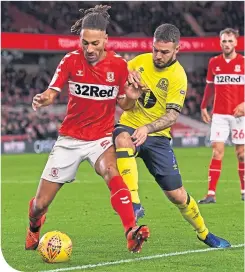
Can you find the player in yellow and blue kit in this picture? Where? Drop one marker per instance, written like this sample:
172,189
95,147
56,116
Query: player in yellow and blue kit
144,130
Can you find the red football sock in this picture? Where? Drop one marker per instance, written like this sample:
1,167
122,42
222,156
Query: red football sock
241,175
35,221
213,175
121,201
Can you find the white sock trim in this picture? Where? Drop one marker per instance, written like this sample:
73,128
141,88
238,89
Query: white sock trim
210,192
215,170
123,189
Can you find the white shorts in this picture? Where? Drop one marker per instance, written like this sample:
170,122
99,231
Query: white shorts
68,153
222,125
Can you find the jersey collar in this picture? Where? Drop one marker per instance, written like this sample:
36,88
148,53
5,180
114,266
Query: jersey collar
171,63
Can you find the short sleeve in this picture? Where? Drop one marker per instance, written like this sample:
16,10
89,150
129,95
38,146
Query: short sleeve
210,75
61,75
177,92
132,64
123,78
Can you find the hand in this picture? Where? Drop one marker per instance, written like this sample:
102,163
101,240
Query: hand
239,110
134,88
134,78
39,101
132,92
139,136
205,116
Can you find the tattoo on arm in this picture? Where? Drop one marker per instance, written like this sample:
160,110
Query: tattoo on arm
166,121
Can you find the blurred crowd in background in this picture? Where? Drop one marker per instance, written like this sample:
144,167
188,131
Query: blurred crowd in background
18,87
27,122
136,19
127,18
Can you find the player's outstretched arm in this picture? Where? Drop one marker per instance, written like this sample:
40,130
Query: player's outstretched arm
44,99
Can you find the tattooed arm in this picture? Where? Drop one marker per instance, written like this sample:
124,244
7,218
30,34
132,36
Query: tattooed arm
165,121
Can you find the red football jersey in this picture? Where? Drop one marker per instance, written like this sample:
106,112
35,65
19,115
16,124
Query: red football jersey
228,79
93,93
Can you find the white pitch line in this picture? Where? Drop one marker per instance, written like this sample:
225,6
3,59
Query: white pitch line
88,266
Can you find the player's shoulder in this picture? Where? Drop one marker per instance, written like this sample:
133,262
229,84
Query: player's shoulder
116,57
215,59
71,55
142,58
74,53
116,60
177,68
240,56
175,74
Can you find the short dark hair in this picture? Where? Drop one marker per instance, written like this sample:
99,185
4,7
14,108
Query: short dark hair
167,33
229,30
93,18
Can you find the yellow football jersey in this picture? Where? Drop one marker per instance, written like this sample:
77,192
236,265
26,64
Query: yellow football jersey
167,90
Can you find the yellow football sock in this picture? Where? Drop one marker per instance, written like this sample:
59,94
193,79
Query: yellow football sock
191,213
127,167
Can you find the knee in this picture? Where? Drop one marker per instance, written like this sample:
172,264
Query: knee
110,169
123,140
240,154
40,204
109,172
178,196
218,153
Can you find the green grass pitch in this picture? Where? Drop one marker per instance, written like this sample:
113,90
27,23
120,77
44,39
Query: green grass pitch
82,210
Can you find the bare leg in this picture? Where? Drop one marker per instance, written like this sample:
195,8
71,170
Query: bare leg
106,166
37,209
45,194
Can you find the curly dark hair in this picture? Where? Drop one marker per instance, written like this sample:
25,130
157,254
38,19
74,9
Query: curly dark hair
93,18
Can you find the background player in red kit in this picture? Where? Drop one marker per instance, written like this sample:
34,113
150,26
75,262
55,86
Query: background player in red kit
96,82
226,77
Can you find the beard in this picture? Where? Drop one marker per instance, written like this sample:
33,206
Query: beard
163,65
227,54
